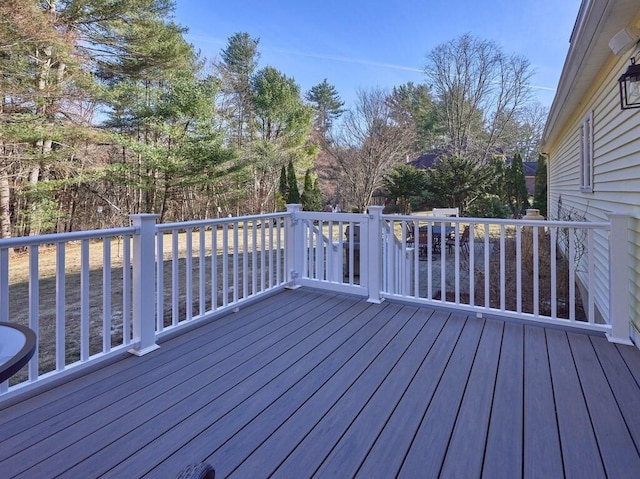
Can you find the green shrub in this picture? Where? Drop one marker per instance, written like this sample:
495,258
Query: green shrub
489,206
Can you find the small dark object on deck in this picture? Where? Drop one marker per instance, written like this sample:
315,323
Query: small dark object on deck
197,471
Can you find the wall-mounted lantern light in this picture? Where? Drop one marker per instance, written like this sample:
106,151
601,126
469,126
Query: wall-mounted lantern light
629,83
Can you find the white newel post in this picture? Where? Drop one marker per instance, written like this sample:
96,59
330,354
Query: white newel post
144,285
619,279
374,253
294,244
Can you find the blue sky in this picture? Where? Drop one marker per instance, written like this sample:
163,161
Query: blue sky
357,44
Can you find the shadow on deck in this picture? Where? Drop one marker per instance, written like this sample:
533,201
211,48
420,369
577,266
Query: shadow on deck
306,383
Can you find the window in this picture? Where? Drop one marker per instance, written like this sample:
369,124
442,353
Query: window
586,154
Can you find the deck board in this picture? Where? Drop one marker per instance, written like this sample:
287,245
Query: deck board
306,383
351,450
208,393
199,437
618,451
542,456
622,382
327,364
58,400
99,426
429,446
146,375
386,461
503,452
631,358
472,424
271,453
576,432
317,444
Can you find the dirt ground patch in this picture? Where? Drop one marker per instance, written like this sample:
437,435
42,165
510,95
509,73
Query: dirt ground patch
527,279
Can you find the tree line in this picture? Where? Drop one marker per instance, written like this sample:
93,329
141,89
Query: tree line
107,110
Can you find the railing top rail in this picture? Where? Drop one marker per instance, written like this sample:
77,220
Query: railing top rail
218,221
63,237
499,221
344,217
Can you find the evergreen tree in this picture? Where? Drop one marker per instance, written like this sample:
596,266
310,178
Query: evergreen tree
294,195
327,105
239,63
456,182
412,106
283,190
283,123
308,184
283,187
311,196
540,192
61,60
404,185
516,185
497,183
318,198
178,150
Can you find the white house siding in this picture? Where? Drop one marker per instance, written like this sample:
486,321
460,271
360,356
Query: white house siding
616,174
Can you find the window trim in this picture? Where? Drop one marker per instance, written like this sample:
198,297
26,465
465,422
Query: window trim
586,154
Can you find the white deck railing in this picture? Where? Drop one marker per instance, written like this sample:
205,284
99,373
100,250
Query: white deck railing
90,295
541,270
98,293
59,300
214,265
569,273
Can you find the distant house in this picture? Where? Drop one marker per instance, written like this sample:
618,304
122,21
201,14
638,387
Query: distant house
427,160
530,168
593,145
430,160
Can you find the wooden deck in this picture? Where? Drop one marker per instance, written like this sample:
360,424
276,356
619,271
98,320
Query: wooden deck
313,384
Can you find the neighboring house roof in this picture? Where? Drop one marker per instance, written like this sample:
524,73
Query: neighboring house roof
530,168
426,161
597,23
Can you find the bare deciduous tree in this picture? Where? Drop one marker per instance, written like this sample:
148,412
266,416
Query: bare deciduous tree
368,146
531,120
479,89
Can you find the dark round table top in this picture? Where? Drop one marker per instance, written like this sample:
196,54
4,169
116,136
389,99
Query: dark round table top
17,345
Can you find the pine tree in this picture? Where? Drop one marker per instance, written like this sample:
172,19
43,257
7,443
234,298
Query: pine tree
239,63
308,182
61,60
516,185
283,187
404,183
412,106
497,184
294,195
318,197
327,105
283,190
456,182
540,192
283,123
311,196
